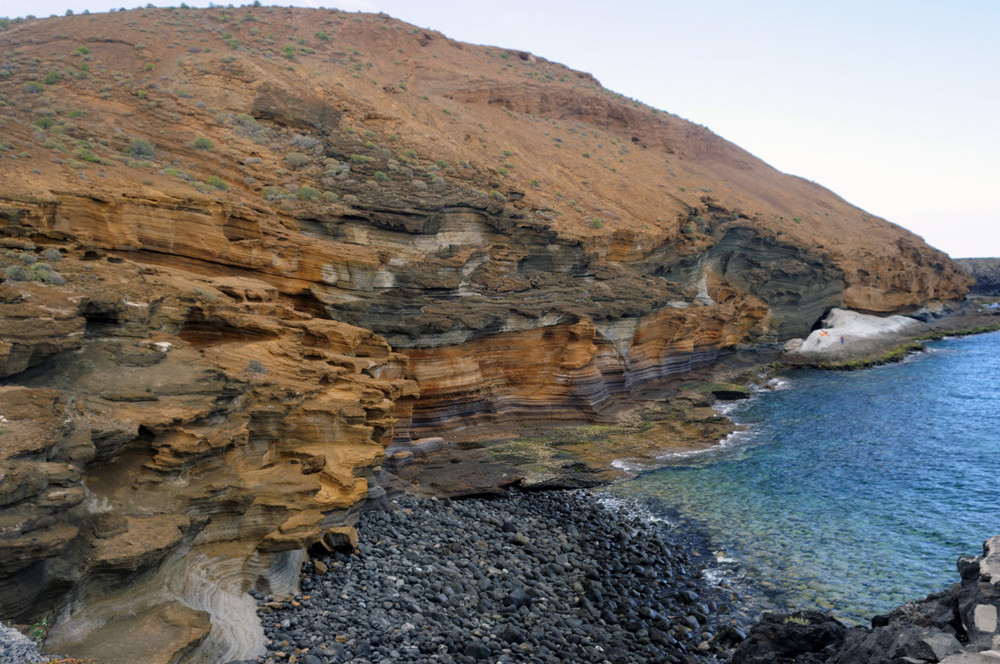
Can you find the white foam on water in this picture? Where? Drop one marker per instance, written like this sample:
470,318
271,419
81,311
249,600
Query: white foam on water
630,465
631,508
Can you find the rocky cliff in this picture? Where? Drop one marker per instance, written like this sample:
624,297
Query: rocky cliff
247,249
986,272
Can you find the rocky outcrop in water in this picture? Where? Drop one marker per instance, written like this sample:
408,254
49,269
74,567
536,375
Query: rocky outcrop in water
959,626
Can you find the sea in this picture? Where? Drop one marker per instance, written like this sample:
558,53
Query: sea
847,491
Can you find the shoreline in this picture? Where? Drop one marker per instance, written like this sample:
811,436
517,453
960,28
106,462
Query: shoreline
675,417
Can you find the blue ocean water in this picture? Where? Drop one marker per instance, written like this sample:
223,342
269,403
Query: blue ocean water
854,491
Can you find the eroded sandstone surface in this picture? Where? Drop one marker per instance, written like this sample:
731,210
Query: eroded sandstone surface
245,251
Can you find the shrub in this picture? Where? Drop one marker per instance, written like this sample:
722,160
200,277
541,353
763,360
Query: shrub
86,155
304,142
17,273
381,177
247,126
272,193
82,50
203,143
44,122
52,77
496,195
32,88
140,148
288,52
217,182
307,193
28,257
52,254
297,159
44,273
596,223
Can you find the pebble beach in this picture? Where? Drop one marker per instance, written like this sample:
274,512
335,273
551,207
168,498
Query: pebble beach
558,576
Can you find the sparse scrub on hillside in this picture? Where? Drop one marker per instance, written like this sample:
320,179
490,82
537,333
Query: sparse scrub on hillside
203,143
44,273
217,182
307,193
17,273
297,159
177,173
140,148
304,142
273,193
247,125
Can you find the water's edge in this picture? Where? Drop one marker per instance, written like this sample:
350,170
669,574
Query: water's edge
813,550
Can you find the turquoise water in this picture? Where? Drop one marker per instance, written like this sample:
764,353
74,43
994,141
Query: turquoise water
853,490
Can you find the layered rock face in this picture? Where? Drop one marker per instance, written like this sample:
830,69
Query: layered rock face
170,443
986,272
274,228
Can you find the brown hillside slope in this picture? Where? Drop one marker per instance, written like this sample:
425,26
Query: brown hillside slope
266,229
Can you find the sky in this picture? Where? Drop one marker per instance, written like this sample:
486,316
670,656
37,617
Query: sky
892,104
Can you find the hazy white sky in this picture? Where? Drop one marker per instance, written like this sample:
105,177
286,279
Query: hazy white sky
892,104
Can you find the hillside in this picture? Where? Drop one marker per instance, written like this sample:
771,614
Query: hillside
251,253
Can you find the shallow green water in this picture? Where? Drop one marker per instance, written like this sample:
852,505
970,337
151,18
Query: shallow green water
854,490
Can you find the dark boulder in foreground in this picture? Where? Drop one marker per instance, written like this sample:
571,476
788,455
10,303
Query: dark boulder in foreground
959,626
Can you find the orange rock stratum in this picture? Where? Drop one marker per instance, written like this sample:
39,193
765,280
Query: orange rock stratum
246,250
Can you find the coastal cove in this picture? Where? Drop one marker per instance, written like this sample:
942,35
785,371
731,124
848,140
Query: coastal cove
850,492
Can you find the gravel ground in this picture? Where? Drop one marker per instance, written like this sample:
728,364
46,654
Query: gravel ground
526,577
